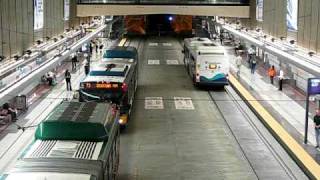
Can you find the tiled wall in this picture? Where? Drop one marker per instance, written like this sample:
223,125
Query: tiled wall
274,21
16,23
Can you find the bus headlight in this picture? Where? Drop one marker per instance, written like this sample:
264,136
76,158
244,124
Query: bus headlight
123,119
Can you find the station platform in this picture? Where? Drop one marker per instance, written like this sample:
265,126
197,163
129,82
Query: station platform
287,106
14,137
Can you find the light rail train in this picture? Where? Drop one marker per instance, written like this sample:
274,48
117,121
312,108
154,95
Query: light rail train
77,141
206,63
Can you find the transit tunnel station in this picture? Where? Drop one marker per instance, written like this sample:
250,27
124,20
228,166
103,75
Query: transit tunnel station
149,90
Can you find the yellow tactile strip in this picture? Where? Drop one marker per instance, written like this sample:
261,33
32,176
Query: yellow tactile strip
305,161
122,42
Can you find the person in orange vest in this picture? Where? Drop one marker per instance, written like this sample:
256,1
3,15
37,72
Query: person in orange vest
271,73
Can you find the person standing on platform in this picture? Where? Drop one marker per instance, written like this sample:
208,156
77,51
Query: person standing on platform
91,47
86,67
238,63
271,73
316,120
251,54
253,64
67,76
101,48
221,38
74,61
281,77
97,47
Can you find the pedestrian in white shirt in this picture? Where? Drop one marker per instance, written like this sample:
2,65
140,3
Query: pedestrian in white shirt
238,63
281,77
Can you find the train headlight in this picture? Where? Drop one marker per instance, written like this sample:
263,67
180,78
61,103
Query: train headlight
82,85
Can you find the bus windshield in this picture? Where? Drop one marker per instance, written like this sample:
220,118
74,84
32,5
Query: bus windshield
106,73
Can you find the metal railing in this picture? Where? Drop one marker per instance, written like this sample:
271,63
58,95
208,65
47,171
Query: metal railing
168,2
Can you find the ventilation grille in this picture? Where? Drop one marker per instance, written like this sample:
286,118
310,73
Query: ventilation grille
86,150
43,149
64,149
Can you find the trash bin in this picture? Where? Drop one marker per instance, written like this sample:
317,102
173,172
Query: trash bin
21,102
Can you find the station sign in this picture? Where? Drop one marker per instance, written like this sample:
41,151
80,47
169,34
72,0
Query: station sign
38,14
313,86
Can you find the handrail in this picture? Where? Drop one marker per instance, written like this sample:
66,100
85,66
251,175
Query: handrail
7,93
308,66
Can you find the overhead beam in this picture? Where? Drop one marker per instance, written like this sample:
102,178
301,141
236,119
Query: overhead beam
84,10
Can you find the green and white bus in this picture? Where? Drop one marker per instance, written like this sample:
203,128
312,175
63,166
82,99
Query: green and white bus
77,141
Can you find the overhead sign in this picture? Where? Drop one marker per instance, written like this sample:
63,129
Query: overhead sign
313,86
66,10
292,15
38,14
259,10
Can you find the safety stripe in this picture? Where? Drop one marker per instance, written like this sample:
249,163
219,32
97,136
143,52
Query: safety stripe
122,42
304,159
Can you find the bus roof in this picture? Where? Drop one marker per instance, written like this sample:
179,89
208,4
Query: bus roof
121,52
119,60
198,41
76,121
109,69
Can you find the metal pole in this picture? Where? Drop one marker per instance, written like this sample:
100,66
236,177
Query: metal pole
306,123
307,115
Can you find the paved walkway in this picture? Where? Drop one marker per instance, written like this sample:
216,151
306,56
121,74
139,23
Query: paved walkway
287,106
44,100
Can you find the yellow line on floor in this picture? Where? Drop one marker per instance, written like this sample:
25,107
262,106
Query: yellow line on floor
122,42
304,159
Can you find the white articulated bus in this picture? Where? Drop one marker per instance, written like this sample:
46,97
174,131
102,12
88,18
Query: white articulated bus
206,63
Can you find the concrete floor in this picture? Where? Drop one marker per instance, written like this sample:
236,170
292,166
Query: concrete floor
176,144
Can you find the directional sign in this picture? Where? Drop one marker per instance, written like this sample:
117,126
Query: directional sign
166,44
153,103
153,44
153,62
184,103
172,62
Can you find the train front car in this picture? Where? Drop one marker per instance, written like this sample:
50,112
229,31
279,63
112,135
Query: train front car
77,141
115,82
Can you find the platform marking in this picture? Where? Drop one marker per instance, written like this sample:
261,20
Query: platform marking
184,103
153,62
172,62
166,44
153,103
153,44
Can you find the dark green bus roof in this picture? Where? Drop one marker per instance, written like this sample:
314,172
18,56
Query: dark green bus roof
76,121
129,52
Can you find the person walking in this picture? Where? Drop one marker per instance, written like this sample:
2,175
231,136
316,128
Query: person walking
67,76
251,54
281,77
271,73
253,64
238,63
316,120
